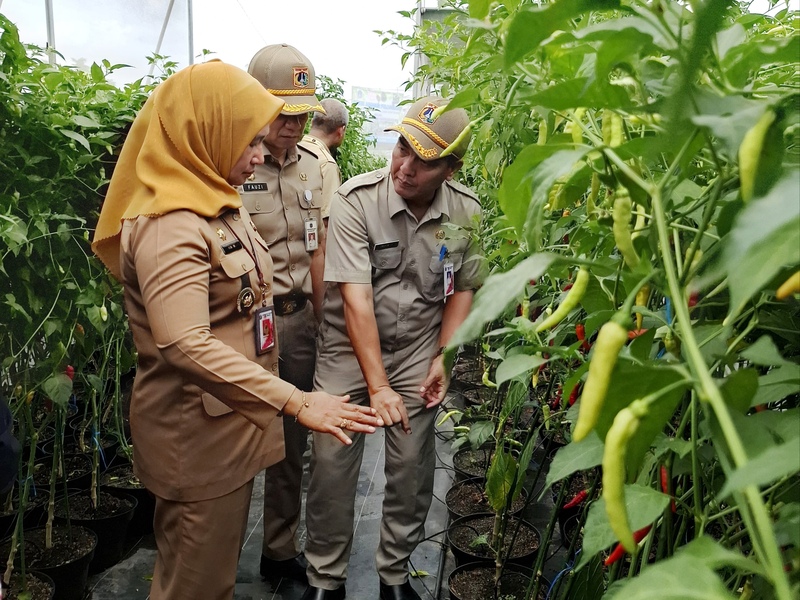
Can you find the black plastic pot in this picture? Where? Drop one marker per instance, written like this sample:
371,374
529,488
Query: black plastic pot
15,588
119,479
482,524
514,581
472,463
480,507
69,576
111,531
35,513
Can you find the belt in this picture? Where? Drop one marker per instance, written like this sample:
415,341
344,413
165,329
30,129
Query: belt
288,304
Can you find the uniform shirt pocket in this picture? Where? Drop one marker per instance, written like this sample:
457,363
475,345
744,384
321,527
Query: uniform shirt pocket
237,264
258,203
213,406
386,259
433,277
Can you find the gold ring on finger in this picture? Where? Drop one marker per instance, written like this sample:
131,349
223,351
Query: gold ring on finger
344,424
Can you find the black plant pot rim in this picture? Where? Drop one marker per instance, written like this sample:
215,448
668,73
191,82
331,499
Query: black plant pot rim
477,481
508,568
463,522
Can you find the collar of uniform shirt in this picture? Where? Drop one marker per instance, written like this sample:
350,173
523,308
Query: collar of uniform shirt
437,208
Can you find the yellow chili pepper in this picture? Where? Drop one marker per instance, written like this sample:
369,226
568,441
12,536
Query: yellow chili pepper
571,300
610,340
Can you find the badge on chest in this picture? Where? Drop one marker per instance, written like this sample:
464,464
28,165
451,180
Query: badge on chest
311,234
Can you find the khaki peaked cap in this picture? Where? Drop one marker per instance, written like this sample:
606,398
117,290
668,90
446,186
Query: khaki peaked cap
430,134
288,74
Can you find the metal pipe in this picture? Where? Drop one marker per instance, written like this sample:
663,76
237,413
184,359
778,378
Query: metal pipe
51,31
190,10
161,35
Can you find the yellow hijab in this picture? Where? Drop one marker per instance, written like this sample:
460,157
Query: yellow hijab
181,147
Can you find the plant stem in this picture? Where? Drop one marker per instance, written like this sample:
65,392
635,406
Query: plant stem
710,393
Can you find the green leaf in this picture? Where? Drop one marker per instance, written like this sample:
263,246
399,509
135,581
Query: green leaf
677,578
769,466
576,456
777,384
497,293
514,195
709,553
543,178
478,9
739,388
764,352
58,388
765,240
84,121
480,432
730,126
74,135
530,28
581,91
500,479
644,506
516,365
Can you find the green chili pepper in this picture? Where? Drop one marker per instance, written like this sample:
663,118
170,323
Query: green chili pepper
610,340
750,152
622,235
622,430
591,200
572,299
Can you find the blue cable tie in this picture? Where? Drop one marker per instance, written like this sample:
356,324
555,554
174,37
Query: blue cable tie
442,252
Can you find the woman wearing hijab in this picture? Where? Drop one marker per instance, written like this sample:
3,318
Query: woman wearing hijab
197,281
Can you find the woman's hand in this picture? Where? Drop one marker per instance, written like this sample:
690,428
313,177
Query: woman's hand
332,414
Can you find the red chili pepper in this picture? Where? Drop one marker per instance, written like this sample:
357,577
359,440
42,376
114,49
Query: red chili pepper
665,486
567,287
555,403
693,298
573,395
633,334
580,331
70,372
618,551
577,499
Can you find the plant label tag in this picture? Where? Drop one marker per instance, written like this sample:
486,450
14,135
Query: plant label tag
265,329
312,242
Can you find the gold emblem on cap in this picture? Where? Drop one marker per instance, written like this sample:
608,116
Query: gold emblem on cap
440,234
221,234
303,177
426,114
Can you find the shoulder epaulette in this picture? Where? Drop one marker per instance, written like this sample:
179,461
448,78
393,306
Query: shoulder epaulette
461,188
363,180
310,148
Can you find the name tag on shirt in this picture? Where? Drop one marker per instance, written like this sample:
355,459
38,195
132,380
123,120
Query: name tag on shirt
258,186
449,281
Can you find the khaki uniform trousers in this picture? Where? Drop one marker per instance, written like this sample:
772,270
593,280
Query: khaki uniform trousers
283,481
409,472
199,544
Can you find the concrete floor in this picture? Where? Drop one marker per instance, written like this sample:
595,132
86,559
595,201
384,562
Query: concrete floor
130,578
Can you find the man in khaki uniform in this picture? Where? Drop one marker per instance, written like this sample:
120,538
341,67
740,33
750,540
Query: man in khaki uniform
285,198
396,235
324,137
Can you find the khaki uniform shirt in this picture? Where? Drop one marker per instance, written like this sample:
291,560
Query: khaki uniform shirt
374,238
204,402
280,199
331,175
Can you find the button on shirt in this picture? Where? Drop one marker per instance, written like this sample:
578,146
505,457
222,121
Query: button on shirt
374,238
276,201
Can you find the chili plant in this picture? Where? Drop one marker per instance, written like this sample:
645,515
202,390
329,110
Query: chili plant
654,145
